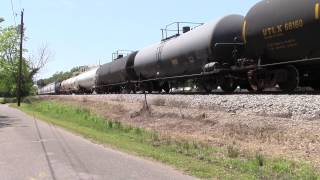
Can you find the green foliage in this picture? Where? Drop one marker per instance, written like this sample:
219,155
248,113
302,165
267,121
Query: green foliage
7,100
9,61
196,158
260,159
233,152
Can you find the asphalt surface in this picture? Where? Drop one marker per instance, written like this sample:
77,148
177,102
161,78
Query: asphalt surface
33,150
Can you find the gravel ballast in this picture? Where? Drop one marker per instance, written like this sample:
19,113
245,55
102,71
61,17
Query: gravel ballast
295,107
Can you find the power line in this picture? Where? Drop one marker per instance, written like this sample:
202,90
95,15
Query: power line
13,13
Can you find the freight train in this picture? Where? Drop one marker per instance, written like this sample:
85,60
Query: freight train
274,45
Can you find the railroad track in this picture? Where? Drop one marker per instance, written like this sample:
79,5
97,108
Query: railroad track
238,92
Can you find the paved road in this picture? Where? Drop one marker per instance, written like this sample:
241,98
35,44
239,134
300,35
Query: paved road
32,150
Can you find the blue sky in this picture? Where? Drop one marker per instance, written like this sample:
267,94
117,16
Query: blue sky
81,32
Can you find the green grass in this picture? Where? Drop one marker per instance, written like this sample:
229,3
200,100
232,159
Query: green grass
194,158
7,100
2,101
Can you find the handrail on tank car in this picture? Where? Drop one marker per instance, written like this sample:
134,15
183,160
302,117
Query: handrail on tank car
120,53
178,29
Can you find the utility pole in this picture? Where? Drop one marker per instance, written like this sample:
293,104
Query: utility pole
20,61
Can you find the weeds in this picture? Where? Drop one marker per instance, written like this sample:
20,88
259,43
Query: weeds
179,104
158,102
155,139
138,131
260,159
118,125
119,108
233,152
110,124
84,99
145,110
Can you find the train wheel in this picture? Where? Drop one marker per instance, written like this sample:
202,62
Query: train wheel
209,84
166,87
229,85
246,85
256,84
128,89
292,79
207,88
249,88
134,90
125,91
150,88
146,88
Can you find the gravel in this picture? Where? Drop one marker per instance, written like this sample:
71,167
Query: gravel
295,107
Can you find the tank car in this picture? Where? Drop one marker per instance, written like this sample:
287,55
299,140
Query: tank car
52,88
86,81
116,75
189,53
282,37
69,86
283,30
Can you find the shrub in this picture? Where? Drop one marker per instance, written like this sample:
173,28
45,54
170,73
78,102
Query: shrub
260,159
232,152
159,102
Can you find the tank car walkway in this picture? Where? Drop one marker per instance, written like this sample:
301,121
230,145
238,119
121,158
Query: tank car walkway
33,150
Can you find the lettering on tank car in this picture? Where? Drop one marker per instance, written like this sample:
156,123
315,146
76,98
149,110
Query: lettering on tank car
282,45
293,25
280,29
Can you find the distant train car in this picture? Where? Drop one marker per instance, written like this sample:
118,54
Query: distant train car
50,89
86,81
116,75
69,86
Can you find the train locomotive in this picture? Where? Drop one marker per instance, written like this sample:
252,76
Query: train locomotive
274,45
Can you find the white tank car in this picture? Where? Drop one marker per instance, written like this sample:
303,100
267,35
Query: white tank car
69,85
48,89
86,81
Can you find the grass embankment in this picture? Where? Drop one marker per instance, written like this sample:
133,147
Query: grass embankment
195,158
7,100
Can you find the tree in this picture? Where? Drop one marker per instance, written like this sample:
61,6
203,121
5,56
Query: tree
9,59
9,45
40,59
